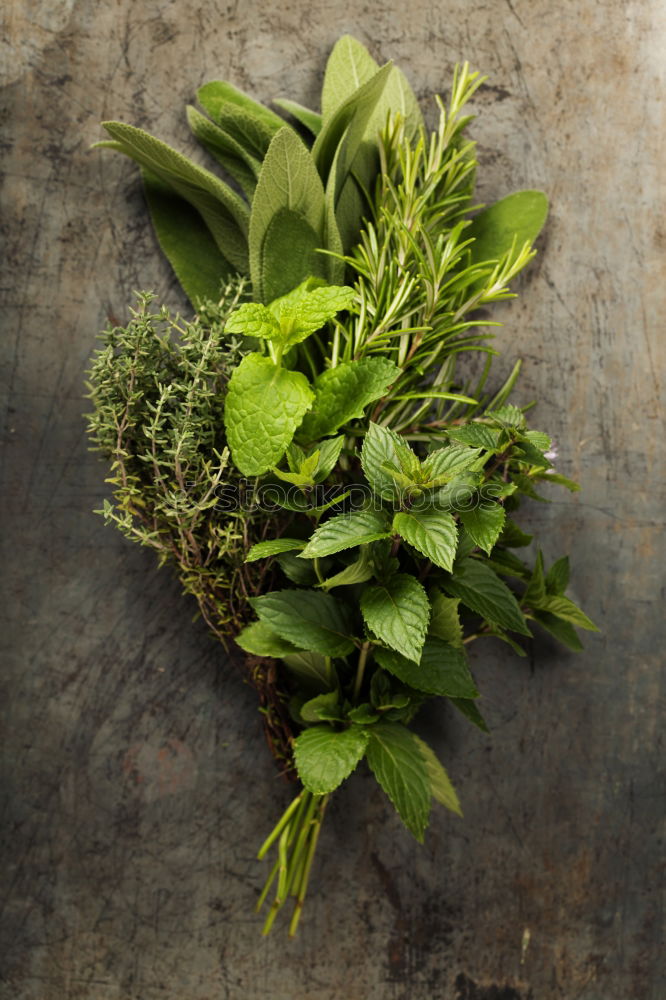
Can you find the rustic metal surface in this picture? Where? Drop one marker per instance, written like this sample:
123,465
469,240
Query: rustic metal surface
135,783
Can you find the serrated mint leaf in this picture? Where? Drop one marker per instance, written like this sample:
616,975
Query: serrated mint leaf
562,630
484,524
313,671
307,308
346,531
483,592
381,447
260,640
514,537
322,708
363,715
399,766
311,620
446,464
357,572
264,406
434,533
343,393
509,416
329,453
536,588
440,783
397,612
470,710
519,216
297,570
476,436
324,757
444,618
442,669
272,547
557,577
565,609
254,320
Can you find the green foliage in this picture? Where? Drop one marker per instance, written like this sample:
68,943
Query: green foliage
336,295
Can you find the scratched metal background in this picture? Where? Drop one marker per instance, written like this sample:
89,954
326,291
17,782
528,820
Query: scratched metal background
135,784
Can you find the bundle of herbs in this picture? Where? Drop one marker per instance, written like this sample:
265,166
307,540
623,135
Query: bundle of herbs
305,451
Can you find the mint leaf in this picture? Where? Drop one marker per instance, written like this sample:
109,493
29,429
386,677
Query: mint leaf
445,464
312,621
477,436
264,406
329,453
484,524
519,216
272,547
434,533
440,783
482,591
346,531
322,708
381,447
557,577
442,670
306,309
313,671
565,609
397,612
536,588
398,764
343,393
514,537
444,618
260,640
324,757
470,710
254,320
288,212
563,631
357,572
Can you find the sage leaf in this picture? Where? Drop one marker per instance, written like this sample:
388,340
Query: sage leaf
343,393
397,612
442,670
519,217
324,757
229,153
349,66
311,119
224,212
346,531
252,124
311,620
290,191
433,533
399,766
264,406
186,241
482,591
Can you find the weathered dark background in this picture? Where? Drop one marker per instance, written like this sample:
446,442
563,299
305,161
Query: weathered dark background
136,786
